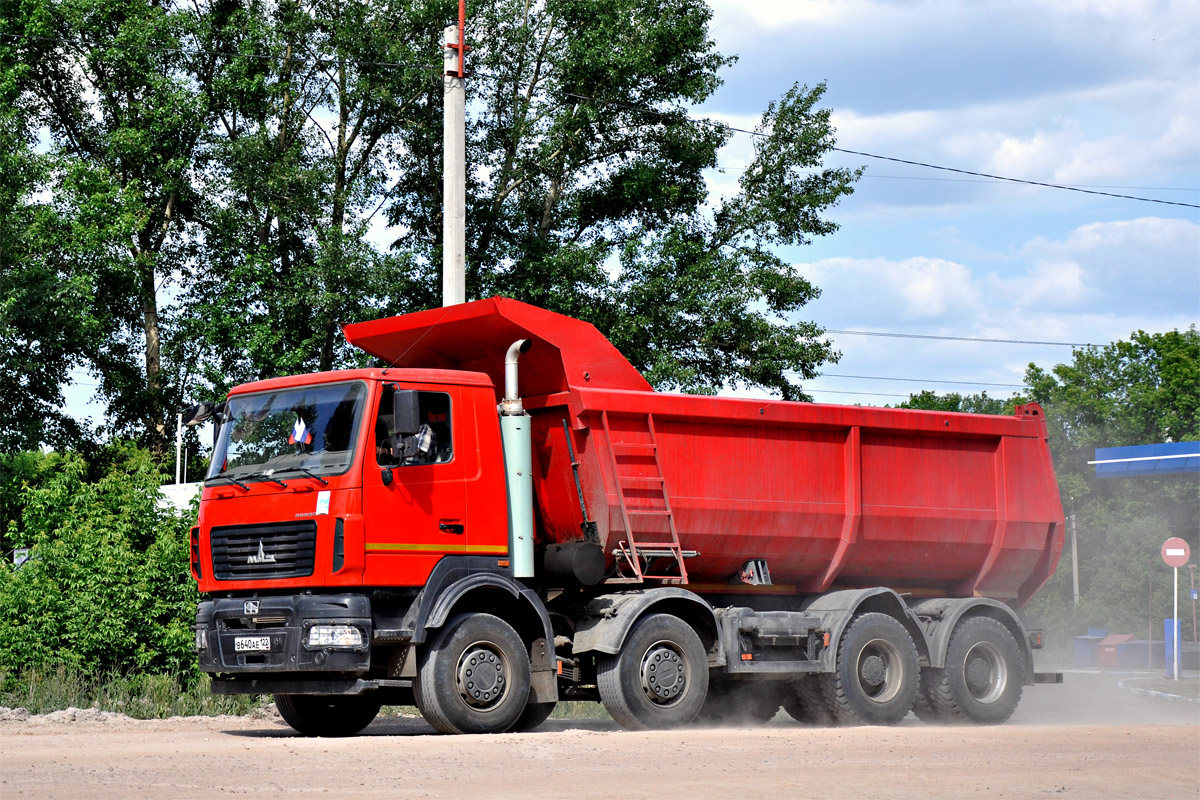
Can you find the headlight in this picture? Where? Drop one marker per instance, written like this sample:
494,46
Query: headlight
201,639
334,636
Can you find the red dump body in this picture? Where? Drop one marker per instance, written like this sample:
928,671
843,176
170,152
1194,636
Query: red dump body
926,502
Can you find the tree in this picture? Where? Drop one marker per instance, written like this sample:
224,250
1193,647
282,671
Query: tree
215,171
305,145
123,104
1139,391
40,330
587,191
588,195
968,403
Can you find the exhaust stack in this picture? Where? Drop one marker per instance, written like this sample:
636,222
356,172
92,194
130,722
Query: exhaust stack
515,435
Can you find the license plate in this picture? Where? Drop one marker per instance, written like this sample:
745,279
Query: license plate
251,644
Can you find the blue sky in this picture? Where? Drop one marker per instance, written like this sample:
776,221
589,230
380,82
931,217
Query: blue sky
1093,94
1101,94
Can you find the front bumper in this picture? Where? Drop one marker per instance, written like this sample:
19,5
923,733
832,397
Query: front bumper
285,621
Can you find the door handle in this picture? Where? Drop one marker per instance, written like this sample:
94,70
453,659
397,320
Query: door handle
451,527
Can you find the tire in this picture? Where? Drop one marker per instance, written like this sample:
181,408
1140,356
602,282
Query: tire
984,674
923,706
533,716
739,703
875,681
473,677
327,715
660,677
805,702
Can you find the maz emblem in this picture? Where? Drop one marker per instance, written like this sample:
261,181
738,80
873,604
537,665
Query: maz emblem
250,607
262,557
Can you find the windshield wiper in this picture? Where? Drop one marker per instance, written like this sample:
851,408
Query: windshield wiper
306,472
232,480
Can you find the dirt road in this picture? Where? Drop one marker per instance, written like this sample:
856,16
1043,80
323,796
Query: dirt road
1125,747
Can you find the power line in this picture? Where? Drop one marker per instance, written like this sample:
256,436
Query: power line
1076,185
838,391
960,338
399,65
926,165
919,380
1015,180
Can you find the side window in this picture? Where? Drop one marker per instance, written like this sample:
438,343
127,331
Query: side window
432,444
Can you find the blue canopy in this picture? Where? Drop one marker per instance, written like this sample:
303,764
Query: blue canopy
1147,459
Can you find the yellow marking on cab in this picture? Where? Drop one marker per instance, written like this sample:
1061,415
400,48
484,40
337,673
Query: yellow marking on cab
488,549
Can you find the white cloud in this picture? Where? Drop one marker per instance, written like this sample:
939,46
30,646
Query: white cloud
1099,283
927,290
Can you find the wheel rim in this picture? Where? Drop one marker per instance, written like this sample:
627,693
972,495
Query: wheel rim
664,673
482,676
879,670
986,672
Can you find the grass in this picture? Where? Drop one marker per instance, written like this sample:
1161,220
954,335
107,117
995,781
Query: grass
42,691
138,696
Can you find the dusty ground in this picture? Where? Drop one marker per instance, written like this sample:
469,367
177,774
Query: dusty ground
1083,739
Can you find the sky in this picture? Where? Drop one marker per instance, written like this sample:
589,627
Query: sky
1102,95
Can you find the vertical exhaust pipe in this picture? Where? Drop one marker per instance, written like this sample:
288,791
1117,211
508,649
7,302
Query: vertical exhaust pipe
516,438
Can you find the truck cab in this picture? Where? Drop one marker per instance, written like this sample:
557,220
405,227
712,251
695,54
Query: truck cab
304,490
417,535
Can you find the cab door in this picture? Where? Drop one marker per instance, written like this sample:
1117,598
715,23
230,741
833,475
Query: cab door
419,516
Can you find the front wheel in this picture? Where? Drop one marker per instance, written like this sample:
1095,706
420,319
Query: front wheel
327,715
473,677
875,680
984,674
660,677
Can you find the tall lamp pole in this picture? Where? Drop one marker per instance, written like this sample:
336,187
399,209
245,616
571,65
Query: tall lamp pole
454,173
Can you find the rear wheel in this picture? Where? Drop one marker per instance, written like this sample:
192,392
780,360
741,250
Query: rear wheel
805,702
739,703
327,715
660,677
875,681
533,716
984,674
473,677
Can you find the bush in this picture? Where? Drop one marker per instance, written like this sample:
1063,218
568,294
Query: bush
106,588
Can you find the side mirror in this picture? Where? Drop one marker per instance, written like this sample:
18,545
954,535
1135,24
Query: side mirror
199,413
406,412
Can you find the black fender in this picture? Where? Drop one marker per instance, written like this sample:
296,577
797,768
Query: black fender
940,615
606,620
450,588
837,609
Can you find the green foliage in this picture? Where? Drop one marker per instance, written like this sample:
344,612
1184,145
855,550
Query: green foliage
179,213
968,403
106,586
1139,391
139,695
1143,390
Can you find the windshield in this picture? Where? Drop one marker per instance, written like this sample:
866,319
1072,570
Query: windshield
312,428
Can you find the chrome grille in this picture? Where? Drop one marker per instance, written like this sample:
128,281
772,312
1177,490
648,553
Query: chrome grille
271,550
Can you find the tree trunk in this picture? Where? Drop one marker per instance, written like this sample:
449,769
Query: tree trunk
155,423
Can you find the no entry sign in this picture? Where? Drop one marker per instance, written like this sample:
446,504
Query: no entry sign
1175,552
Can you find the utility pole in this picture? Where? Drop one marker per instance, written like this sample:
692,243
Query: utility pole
1192,572
454,189
1074,555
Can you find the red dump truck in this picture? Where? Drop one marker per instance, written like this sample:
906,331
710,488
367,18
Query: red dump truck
507,515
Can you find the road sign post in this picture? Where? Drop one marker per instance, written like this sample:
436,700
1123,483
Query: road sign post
1175,552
